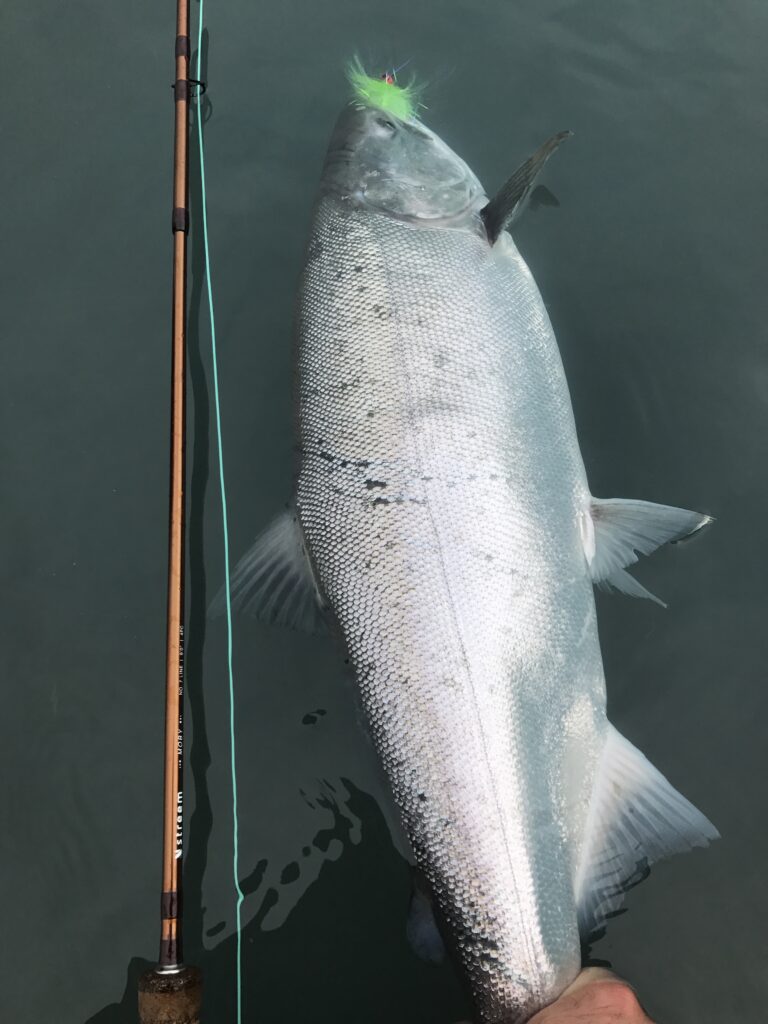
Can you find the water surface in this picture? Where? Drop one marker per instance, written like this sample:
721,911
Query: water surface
652,268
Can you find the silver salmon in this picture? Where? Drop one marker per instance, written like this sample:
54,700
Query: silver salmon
443,522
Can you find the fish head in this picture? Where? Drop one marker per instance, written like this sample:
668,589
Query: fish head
399,167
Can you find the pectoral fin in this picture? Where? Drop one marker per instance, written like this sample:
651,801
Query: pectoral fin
635,818
273,581
615,531
505,206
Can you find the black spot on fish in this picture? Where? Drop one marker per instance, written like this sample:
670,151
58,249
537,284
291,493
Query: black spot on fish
361,288
362,463
305,851
327,456
358,269
380,501
423,797
370,414
370,484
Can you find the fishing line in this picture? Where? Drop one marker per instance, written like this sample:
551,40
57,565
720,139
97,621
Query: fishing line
225,533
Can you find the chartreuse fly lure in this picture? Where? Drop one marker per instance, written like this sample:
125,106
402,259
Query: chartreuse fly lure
402,101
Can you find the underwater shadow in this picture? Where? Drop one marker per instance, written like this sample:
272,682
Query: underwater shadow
340,956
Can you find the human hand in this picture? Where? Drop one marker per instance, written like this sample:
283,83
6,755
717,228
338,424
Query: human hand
595,997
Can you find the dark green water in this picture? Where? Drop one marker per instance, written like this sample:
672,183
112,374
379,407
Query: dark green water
653,271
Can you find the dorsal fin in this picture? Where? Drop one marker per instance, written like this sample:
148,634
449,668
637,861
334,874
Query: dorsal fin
508,201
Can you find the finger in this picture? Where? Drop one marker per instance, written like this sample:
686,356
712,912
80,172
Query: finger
590,975
595,997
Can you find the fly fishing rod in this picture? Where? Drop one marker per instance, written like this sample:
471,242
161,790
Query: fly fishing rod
170,992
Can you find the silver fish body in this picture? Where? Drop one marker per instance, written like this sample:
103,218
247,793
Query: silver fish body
443,505
439,494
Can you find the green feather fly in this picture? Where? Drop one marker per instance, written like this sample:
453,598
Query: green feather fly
402,101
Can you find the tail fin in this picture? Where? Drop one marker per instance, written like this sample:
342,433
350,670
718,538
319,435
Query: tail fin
635,819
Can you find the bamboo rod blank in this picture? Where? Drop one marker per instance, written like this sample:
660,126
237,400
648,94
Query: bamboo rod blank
170,993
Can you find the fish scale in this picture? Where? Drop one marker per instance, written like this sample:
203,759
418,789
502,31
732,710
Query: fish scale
458,544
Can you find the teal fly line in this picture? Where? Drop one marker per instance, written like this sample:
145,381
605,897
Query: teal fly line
225,532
